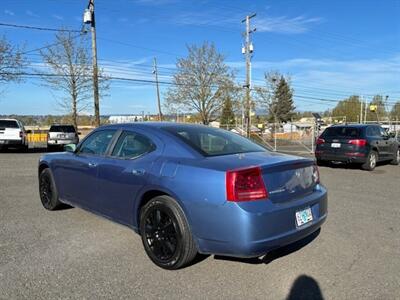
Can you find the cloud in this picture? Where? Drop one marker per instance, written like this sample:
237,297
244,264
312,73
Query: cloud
340,77
284,24
9,12
31,14
58,17
279,24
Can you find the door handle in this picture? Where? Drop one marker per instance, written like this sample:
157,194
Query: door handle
92,164
138,172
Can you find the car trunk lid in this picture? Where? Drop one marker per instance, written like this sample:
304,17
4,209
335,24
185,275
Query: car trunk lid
286,177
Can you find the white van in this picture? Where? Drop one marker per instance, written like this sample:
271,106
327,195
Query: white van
12,134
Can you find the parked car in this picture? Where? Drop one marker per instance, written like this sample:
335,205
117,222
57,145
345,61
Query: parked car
61,135
362,144
188,189
12,134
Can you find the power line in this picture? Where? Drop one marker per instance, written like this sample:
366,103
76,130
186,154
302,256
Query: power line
37,28
51,45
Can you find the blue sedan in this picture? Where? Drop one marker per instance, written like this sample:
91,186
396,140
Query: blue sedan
188,189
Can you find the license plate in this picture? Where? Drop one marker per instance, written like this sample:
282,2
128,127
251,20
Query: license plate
335,145
303,216
61,136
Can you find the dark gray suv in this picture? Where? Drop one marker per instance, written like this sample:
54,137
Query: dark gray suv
365,144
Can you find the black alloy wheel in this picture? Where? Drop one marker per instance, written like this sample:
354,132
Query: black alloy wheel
166,234
47,190
161,234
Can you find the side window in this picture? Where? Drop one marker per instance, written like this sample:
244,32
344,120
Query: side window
131,145
382,132
97,143
374,131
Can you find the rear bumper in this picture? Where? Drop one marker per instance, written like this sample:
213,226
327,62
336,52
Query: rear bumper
261,226
61,142
351,157
11,143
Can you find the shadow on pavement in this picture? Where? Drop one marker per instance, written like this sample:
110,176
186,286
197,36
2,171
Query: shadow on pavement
274,254
305,287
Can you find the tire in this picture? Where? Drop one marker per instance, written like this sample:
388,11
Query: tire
48,191
396,159
372,159
166,234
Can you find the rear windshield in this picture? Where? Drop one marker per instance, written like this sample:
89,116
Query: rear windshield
342,132
62,128
212,142
8,124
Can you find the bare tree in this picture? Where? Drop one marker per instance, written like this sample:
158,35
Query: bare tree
11,61
201,82
68,62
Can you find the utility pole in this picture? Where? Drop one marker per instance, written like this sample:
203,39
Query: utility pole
155,72
365,111
247,50
89,18
361,111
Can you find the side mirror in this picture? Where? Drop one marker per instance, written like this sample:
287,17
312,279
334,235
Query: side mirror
70,148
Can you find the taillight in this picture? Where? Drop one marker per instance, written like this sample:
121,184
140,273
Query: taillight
316,174
21,134
320,141
358,142
245,185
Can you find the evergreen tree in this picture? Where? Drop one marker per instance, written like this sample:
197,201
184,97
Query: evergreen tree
227,116
284,101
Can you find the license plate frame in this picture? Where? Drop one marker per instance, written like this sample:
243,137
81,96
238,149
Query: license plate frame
304,216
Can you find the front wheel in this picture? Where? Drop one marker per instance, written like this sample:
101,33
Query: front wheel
396,159
166,234
370,164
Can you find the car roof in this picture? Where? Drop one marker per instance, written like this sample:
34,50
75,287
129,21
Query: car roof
355,125
155,125
9,120
55,124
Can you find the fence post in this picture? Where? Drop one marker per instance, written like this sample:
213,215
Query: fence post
312,138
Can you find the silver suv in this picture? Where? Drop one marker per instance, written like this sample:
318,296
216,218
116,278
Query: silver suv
60,135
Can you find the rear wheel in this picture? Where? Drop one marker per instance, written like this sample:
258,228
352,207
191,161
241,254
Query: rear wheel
48,191
166,235
370,164
396,159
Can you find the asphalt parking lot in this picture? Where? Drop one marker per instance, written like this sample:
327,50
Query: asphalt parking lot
74,254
